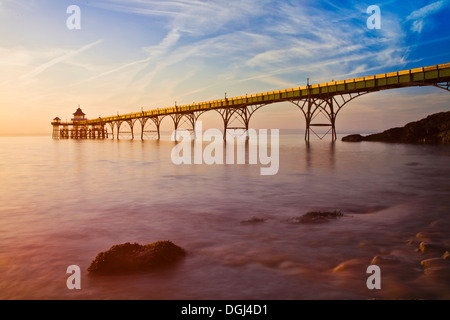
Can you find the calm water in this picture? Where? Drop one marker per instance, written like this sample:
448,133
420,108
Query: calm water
62,202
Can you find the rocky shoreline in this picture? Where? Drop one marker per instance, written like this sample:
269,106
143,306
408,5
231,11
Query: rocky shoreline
416,267
434,129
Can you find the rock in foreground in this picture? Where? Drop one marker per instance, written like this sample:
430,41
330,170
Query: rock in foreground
429,247
253,220
131,258
316,217
434,129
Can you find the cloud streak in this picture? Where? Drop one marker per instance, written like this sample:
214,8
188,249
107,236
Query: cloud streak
305,37
419,16
36,71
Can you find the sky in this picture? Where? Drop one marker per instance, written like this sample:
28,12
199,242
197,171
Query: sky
131,55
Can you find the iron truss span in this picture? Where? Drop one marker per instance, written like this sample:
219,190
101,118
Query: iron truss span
324,98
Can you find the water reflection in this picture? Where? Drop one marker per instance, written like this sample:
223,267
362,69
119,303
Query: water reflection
320,153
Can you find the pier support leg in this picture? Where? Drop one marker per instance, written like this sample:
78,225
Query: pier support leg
111,124
237,118
154,124
444,85
131,125
118,124
56,132
329,107
189,119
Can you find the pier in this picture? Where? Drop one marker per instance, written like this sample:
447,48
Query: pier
325,98
77,128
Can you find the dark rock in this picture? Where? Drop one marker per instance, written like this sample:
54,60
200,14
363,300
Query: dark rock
353,265
435,263
437,267
384,260
446,255
316,217
253,220
434,129
423,236
429,247
130,258
353,138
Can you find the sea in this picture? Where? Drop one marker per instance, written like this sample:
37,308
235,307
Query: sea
64,201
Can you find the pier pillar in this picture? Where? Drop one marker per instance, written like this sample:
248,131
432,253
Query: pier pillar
56,132
328,106
112,124
188,118
154,121
130,124
237,117
118,124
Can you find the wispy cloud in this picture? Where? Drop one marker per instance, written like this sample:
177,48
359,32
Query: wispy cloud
193,17
252,44
153,52
419,16
41,68
307,41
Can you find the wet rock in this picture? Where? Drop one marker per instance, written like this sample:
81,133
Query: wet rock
384,260
429,247
353,138
131,258
352,265
316,217
437,268
253,220
434,129
423,236
435,263
446,255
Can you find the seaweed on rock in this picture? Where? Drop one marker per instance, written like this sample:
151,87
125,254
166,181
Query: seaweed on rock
130,258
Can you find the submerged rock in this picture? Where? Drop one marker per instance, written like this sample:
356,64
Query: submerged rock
253,220
434,129
316,217
385,260
130,258
435,263
437,267
423,236
429,247
353,265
